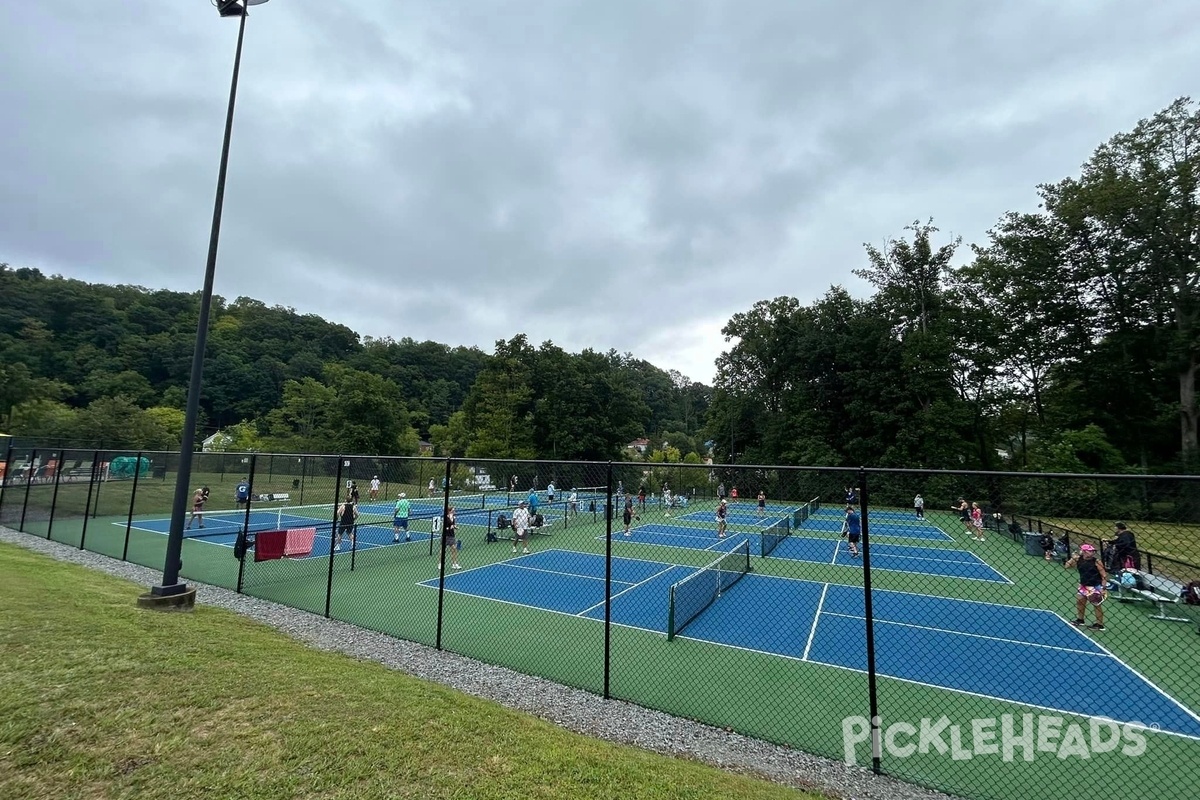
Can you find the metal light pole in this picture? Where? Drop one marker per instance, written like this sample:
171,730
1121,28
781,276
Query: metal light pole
170,582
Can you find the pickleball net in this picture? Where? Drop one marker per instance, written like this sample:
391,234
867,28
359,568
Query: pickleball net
802,514
690,597
770,537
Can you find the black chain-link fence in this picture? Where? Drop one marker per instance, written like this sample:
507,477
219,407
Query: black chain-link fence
988,635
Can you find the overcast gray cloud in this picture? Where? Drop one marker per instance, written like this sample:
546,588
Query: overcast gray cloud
625,175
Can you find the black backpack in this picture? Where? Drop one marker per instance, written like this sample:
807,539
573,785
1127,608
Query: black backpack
1191,593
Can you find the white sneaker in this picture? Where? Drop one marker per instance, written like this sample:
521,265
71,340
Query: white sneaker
456,566
395,539
526,551
514,548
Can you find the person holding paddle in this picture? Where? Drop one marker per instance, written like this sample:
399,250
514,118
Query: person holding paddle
1092,578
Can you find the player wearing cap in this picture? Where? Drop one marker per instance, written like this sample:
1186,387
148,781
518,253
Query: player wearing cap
374,486
400,518
520,523
1092,578
722,518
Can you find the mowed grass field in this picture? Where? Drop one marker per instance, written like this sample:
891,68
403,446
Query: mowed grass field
101,699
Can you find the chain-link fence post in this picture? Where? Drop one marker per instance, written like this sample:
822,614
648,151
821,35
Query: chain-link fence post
333,535
437,534
88,502
869,614
137,471
4,478
28,485
608,586
58,465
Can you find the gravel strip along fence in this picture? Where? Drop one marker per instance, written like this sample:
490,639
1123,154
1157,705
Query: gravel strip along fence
572,709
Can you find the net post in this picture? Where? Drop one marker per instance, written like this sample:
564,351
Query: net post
869,621
607,588
333,532
671,613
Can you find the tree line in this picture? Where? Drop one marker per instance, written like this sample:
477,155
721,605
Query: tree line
1068,341
109,366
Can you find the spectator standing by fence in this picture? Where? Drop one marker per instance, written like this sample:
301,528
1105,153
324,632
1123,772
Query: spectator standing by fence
1125,542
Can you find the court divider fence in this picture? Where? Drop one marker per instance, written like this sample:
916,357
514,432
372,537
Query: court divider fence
935,626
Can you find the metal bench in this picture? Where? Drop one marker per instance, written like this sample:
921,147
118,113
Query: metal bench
1156,589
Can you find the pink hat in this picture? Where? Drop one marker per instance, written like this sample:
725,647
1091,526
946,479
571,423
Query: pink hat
1086,547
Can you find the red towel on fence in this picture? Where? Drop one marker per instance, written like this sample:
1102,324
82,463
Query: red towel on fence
300,541
269,545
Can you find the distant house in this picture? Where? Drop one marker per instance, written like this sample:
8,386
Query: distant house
217,442
639,446
425,448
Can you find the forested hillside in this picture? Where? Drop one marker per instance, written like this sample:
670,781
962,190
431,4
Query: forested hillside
98,364
1068,341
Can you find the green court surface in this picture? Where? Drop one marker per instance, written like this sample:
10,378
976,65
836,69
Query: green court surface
787,700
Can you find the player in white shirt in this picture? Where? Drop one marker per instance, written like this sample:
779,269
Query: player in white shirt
520,523
374,487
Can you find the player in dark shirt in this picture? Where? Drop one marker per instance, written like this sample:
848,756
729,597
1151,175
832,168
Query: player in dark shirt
449,540
347,515
852,529
1092,578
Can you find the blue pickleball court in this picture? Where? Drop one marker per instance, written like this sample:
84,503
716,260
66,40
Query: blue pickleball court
1021,655
913,559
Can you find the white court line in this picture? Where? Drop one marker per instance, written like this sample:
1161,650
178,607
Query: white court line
966,692
629,588
965,633
816,617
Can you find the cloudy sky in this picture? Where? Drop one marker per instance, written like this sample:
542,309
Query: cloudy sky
624,174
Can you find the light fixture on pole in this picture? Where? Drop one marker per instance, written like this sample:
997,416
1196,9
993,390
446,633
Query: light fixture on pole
170,583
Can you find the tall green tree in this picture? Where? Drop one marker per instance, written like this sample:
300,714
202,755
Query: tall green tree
1132,222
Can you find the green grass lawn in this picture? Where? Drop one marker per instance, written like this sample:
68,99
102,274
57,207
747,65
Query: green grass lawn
101,699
